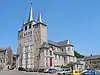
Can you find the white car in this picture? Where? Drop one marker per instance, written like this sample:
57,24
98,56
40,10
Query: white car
65,71
50,70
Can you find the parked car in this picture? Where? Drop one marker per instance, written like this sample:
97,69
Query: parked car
50,70
29,70
91,72
35,70
21,69
65,71
41,70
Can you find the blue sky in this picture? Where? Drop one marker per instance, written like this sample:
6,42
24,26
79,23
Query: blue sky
76,20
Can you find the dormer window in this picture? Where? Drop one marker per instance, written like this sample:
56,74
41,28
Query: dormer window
29,26
25,27
68,49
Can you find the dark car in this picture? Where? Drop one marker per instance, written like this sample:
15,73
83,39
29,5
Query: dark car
91,72
41,70
29,70
35,70
21,69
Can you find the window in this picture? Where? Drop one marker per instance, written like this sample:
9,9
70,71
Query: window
68,49
97,61
20,36
62,50
25,27
46,63
76,71
29,26
1,61
55,56
35,40
59,57
50,52
46,59
24,34
28,32
68,69
64,58
31,32
46,52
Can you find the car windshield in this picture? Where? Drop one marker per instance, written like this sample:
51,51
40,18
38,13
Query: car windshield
67,69
51,69
76,71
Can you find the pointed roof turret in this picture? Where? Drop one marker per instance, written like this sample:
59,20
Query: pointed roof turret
68,42
39,18
30,18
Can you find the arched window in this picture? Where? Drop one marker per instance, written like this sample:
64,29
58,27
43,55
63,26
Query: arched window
64,58
25,27
62,50
1,60
50,52
46,52
29,26
68,49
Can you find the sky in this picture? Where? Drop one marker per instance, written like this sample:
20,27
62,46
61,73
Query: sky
74,20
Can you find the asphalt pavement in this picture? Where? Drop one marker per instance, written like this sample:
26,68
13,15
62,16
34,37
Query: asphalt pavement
14,72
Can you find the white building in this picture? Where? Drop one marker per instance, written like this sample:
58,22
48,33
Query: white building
38,51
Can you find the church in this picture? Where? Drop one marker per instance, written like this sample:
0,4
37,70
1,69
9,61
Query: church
36,51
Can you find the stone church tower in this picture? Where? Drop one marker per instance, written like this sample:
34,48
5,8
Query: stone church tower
34,33
36,51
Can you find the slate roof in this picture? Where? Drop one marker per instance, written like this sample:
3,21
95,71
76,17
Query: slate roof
92,57
45,45
53,43
3,49
61,53
75,63
61,43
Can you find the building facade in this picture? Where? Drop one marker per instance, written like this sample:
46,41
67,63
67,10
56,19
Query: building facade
6,57
93,62
20,47
36,51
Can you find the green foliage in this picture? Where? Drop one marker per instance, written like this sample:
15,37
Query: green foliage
57,66
65,66
78,55
62,66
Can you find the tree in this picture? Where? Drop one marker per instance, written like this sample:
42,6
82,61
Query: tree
78,55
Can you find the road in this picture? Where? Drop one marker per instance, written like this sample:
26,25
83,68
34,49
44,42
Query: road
14,72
